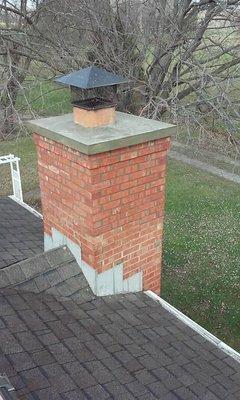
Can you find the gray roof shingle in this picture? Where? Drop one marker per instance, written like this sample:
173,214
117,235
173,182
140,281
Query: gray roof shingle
21,233
56,348
59,345
53,272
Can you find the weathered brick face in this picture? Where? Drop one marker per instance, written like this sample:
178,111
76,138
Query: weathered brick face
111,203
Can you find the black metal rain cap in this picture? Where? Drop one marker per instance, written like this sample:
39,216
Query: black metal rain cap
90,78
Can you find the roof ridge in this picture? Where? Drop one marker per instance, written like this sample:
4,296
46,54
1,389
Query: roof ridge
54,272
25,270
89,70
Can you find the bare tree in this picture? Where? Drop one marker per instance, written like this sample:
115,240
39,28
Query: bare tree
182,56
27,44
16,22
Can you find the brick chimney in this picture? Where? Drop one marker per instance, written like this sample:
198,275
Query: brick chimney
102,192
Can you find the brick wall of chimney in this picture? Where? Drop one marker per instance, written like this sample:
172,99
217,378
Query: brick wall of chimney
111,204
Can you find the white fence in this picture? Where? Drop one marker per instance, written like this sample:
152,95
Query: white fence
15,172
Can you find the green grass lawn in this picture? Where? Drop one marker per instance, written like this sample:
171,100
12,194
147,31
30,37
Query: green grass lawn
44,98
201,274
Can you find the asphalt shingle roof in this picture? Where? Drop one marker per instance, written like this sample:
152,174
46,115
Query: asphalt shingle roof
53,272
63,346
21,233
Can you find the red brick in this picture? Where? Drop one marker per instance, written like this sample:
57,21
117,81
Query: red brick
111,204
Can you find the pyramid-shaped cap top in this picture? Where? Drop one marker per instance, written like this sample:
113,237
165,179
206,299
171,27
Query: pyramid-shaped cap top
91,77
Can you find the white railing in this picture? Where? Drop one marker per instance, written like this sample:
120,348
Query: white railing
16,177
